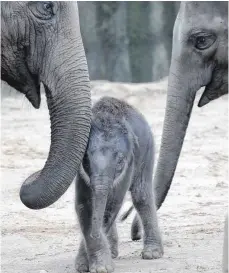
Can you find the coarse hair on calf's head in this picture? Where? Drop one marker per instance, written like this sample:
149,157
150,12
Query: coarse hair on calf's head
114,134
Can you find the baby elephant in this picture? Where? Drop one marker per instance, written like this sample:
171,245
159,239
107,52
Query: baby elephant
119,157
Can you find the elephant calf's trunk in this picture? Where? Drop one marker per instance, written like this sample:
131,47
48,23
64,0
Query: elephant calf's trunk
99,201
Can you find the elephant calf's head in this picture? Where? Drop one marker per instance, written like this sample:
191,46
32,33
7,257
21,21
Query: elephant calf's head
110,151
107,162
41,42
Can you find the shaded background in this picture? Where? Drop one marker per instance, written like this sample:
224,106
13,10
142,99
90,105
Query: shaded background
128,41
124,41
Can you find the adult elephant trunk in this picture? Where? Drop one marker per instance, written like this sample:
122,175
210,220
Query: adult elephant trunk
178,110
65,78
189,72
69,110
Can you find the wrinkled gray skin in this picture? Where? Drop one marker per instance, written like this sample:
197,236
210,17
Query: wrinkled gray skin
136,227
191,68
41,43
119,157
199,58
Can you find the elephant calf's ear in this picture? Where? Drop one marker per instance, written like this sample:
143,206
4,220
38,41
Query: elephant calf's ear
133,139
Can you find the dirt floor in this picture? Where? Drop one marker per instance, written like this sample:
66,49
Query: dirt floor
191,219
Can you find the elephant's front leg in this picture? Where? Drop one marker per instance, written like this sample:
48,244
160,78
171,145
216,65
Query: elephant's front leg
97,248
82,264
99,254
83,210
113,240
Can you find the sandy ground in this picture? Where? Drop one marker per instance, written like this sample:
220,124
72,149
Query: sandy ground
191,219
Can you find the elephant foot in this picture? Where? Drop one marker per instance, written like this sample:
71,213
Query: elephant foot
113,247
102,263
152,252
136,236
81,267
113,241
82,264
114,253
136,233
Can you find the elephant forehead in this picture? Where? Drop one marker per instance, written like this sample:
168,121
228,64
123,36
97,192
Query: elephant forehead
109,147
199,16
208,15
101,160
205,7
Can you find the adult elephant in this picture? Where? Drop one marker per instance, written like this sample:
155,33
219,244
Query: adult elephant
199,58
41,43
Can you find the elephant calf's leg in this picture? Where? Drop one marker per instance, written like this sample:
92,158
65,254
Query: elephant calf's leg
82,264
136,228
142,196
99,254
83,210
113,240
94,252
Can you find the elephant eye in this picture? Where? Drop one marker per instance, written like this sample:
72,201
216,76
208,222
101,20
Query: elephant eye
48,6
120,163
204,41
42,10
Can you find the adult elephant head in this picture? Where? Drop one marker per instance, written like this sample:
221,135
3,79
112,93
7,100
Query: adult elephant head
41,43
199,58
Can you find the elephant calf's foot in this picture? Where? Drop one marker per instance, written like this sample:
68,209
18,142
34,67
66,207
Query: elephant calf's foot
82,264
136,235
101,263
114,252
113,242
152,252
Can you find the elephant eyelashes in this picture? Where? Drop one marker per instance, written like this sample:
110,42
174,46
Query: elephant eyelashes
203,42
42,10
48,7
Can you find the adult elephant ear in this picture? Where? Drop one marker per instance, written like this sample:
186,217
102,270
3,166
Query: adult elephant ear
53,54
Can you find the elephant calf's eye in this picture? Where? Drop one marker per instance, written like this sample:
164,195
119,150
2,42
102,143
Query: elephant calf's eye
204,41
120,164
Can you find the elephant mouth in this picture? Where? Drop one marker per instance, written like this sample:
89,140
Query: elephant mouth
34,96
27,84
204,99
217,87
212,92
32,90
